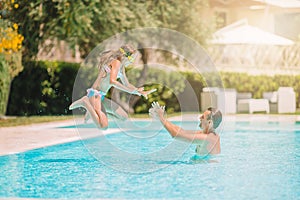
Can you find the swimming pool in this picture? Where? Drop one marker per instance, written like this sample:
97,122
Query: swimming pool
259,160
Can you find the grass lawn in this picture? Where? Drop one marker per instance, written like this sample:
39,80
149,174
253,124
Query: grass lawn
8,121
17,121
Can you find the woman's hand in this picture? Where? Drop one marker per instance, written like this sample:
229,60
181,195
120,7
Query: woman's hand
157,111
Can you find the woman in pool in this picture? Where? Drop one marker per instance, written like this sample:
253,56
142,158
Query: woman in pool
111,68
207,140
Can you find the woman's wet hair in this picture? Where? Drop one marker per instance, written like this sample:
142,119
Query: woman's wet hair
215,116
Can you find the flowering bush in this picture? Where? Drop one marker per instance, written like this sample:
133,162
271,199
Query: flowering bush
10,51
10,47
11,40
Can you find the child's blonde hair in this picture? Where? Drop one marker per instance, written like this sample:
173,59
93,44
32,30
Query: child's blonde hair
107,57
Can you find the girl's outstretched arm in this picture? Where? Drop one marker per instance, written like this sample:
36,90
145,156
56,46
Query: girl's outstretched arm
116,64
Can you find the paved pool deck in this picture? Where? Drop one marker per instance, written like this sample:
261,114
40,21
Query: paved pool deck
23,138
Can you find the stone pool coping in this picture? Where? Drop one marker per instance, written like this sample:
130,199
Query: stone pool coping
23,138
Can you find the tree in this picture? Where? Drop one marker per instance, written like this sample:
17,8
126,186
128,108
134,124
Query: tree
182,16
85,23
55,20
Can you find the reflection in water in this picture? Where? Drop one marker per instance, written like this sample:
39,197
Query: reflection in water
197,159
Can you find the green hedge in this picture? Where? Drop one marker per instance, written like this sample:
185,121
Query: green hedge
42,88
258,84
45,88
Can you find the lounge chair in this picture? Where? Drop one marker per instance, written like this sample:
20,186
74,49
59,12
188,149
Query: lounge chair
245,103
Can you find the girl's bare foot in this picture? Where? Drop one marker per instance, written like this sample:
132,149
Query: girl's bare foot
79,103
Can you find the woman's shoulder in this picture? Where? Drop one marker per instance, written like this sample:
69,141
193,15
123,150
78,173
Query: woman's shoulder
213,135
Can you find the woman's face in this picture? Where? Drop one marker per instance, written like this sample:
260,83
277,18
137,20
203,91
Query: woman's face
203,119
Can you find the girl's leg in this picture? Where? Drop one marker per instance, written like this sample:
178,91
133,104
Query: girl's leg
115,109
87,116
95,101
99,118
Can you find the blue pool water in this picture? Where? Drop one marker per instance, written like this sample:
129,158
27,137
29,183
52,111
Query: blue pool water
259,160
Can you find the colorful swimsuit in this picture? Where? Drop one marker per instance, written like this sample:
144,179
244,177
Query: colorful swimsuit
93,92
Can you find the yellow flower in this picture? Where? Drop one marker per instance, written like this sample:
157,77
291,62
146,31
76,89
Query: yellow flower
21,37
10,40
15,26
12,1
9,30
16,6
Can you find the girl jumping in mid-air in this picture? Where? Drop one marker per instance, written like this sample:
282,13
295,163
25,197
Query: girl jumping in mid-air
111,68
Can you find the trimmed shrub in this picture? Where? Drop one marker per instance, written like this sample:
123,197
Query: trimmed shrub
42,88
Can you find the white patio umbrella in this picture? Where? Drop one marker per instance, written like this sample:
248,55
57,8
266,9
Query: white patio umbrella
282,3
242,33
